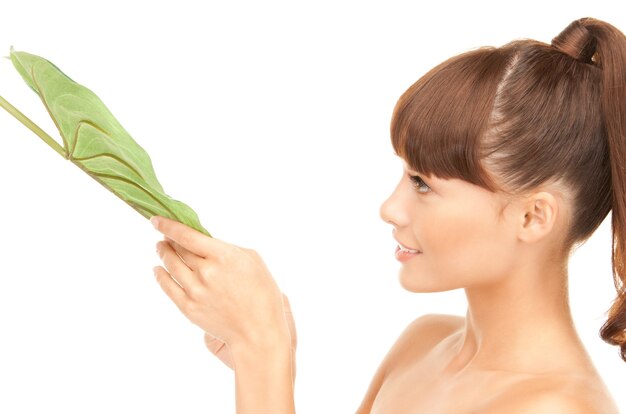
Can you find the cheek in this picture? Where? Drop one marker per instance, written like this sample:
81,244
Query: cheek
455,233
461,249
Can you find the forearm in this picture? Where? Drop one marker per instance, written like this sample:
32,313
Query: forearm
264,379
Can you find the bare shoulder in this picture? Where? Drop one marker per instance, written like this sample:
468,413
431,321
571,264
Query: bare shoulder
421,335
425,332
555,394
414,342
438,322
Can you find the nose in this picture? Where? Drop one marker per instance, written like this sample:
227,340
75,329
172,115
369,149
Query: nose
390,210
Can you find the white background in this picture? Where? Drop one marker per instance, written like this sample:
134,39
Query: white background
269,119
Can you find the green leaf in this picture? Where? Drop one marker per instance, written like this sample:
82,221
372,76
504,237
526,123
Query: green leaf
95,141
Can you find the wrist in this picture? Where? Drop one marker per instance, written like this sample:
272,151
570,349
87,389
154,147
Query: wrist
262,340
264,375
262,345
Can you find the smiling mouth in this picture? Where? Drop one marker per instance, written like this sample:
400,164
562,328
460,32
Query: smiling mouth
407,250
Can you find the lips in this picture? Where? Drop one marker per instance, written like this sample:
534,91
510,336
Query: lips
404,246
404,249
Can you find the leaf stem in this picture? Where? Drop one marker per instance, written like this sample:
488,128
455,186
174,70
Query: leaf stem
32,126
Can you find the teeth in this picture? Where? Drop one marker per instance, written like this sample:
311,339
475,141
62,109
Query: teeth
404,249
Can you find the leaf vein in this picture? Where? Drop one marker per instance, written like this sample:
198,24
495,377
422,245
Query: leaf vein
115,157
117,177
93,125
45,104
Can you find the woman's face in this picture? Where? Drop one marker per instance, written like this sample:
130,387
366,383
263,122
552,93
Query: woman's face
455,225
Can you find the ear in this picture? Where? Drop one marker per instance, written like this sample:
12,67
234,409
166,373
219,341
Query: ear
538,216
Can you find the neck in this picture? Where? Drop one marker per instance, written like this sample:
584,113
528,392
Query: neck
510,325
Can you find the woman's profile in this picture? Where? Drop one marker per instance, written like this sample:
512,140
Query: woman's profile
513,156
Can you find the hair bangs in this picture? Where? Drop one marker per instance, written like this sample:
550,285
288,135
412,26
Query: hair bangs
438,122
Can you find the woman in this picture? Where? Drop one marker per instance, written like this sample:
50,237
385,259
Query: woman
513,157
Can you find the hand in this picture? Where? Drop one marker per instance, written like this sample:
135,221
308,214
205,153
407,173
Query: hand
224,289
221,350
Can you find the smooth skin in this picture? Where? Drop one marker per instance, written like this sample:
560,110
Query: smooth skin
516,351
228,291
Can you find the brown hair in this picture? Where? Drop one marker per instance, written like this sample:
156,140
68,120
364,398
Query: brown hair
525,114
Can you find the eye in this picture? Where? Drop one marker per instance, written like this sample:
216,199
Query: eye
418,183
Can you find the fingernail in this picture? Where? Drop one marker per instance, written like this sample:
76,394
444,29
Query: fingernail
154,221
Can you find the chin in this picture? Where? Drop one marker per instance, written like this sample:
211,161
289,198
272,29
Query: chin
420,283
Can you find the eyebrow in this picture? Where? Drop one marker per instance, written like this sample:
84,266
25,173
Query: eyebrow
431,178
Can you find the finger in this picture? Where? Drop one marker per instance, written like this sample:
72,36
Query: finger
170,287
192,260
175,266
190,239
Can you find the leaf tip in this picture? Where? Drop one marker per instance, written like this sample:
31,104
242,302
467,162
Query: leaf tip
10,53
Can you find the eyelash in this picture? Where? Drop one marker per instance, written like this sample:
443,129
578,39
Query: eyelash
418,182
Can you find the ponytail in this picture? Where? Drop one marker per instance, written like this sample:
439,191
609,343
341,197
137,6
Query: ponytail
527,113
601,44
